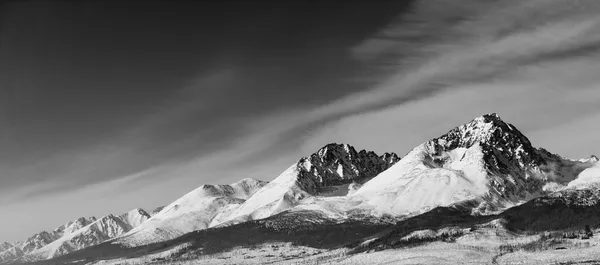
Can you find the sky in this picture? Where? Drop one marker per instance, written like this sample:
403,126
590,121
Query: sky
109,106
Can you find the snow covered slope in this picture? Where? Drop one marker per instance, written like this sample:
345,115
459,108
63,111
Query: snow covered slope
588,178
37,241
194,211
42,239
89,234
335,168
73,226
72,236
486,160
135,217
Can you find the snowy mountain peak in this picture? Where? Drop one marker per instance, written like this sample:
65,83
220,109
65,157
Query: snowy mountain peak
240,189
37,241
486,160
249,183
333,149
73,226
497,139
334,170
135,217
94,233
488,129
74,235
336,164
137,212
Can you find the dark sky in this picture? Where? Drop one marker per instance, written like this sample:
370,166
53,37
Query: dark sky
94,90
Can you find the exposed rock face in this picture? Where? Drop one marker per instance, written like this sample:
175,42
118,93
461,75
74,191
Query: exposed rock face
333,165
157,210
515,168
497,140
337,164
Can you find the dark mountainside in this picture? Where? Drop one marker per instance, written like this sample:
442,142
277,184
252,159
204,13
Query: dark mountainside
321,169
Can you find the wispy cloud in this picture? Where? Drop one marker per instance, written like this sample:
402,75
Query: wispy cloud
503,56
493,56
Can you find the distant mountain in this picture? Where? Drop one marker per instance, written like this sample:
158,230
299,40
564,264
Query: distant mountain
37,241
195,210
100,230
72,236
486,160
42,239
73,226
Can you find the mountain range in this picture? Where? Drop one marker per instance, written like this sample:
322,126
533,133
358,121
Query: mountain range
482,170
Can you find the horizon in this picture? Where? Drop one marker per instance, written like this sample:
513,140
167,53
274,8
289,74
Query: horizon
106,108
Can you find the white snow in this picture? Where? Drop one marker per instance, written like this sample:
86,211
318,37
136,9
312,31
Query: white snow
442,172
588,178
340,170
415,184
100,230
135,217
194,211
280,194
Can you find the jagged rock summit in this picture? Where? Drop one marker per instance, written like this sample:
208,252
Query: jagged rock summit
486,161
335,169
339,164
496,138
